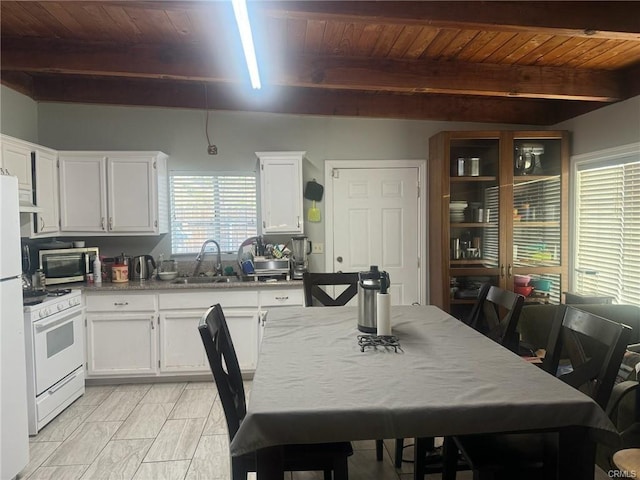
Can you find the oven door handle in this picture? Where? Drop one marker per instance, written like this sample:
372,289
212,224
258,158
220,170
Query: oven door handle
40,326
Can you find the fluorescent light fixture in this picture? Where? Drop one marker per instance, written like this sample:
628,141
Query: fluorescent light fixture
242,19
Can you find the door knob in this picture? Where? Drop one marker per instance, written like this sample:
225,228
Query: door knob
339,259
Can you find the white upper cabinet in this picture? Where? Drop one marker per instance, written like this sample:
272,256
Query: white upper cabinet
281,192
45,170
119,193
15,158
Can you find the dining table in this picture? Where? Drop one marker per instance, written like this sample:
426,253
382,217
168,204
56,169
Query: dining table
315,383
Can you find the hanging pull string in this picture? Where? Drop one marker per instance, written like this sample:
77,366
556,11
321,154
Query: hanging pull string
211,149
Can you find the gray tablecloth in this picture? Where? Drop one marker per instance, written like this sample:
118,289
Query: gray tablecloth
313,384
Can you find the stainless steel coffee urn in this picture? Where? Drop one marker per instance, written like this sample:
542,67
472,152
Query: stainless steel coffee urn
369,284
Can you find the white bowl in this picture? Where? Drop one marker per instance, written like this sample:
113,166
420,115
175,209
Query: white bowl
168,275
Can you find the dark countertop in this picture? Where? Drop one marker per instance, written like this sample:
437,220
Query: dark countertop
137,285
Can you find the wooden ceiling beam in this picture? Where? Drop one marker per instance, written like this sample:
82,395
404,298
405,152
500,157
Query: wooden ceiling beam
409,76
597,19
295,100
190,62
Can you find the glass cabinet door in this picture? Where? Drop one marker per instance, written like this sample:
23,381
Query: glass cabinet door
474,219
537,245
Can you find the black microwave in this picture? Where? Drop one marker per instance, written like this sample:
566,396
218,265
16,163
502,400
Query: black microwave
67,265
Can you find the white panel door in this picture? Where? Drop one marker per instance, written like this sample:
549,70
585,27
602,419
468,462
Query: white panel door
83,196
281,194
375,215
131,194
46,180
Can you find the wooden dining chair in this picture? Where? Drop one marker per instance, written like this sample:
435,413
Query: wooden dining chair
594,348
312,283
495,314
312,291
328,457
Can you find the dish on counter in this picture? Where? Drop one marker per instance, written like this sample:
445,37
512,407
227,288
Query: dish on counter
167,275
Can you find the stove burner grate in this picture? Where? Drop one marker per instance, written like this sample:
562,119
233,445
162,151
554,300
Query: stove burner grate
58,292
386,341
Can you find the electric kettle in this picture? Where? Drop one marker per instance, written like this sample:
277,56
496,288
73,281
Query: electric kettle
142,267
369,284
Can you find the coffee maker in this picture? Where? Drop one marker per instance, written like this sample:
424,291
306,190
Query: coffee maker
300,249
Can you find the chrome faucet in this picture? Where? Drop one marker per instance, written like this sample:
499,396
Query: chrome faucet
200,257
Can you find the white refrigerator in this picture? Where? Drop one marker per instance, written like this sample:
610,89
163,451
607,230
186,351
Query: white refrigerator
14,440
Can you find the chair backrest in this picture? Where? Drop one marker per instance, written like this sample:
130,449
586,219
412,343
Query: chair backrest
224,366
312,290
496,313
595,347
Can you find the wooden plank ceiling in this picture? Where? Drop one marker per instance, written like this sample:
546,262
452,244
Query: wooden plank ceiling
508,62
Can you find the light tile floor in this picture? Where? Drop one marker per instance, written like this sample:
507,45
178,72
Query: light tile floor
171,431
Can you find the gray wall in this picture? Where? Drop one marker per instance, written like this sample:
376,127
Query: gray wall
238,135
18,115
607,127
181,134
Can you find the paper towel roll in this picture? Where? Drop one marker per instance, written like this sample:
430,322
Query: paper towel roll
383,314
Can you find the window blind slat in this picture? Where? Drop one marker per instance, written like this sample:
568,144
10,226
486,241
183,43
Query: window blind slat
218,207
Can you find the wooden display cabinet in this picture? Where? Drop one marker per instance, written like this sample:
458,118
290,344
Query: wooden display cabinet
498,208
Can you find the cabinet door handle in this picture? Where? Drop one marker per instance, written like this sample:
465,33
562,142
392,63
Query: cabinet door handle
120,304
41,222
102,223
110,223
298,221
264,224
282,298
510,271
502,271
152,325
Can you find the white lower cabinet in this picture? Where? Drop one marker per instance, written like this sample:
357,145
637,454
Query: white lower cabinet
181,348
121,344
121,334
146,334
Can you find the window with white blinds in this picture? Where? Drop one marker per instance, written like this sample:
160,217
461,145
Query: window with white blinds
607,226
219,207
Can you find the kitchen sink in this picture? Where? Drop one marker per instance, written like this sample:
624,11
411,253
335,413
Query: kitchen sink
200,280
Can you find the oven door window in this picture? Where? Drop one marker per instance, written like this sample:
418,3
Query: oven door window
59,339
62,266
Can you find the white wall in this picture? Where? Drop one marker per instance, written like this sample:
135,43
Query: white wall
611,126
18,115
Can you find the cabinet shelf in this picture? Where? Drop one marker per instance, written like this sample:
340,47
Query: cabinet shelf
471,225
473,261
532,178
483,178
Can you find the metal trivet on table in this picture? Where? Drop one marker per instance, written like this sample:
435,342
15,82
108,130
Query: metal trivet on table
375,341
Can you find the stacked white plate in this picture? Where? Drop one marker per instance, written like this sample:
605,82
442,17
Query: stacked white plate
456,211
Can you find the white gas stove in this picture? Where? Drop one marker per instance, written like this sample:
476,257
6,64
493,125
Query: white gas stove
55,355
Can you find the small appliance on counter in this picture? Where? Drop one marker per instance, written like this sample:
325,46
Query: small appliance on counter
300,250
370,283
142,267
67,265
